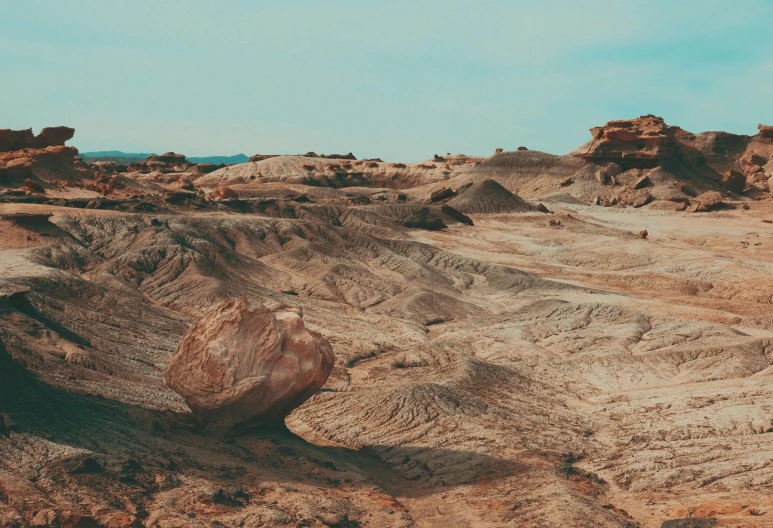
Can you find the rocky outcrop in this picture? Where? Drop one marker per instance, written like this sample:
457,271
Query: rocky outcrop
244,364
169,158
734,181
634,143
765,130
11,140
50,163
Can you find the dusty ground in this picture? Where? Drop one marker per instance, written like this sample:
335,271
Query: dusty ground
542,368
512,373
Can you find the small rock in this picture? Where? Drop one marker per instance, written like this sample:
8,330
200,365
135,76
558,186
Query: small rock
643,234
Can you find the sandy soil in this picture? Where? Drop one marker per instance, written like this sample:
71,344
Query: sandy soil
510,373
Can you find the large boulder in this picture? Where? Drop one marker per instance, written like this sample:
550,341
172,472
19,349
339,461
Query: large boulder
244,364
706,202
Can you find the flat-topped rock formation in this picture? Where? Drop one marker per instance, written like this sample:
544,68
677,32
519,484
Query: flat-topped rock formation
640,143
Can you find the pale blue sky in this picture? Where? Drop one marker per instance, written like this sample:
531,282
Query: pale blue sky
398,79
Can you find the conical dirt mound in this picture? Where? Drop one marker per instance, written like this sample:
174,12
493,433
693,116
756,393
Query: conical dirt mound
489,197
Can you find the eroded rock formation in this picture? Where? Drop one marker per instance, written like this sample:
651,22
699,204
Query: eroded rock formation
244,364
11,140
632,143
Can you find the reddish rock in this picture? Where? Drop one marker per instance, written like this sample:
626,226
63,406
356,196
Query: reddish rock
54,136
643,234
11,140
244,364
636,143
522,148
51,163
706,201
224,193
734,181
765,130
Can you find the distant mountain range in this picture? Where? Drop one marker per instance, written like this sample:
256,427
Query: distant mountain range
132,157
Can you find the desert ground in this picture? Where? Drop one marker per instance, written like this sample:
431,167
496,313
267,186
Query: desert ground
521,340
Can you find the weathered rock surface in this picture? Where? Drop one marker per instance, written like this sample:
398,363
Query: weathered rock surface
244,364
11,140
632,143
706,201
734,181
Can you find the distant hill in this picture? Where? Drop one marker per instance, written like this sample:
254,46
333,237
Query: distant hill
217,160
115,155
132,157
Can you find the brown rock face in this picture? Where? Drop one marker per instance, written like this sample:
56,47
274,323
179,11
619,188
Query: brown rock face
634,143
765,130
11,140
49,163
734,181
54,136
244,364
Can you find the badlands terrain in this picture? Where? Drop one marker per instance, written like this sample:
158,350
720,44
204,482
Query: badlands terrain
520,340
